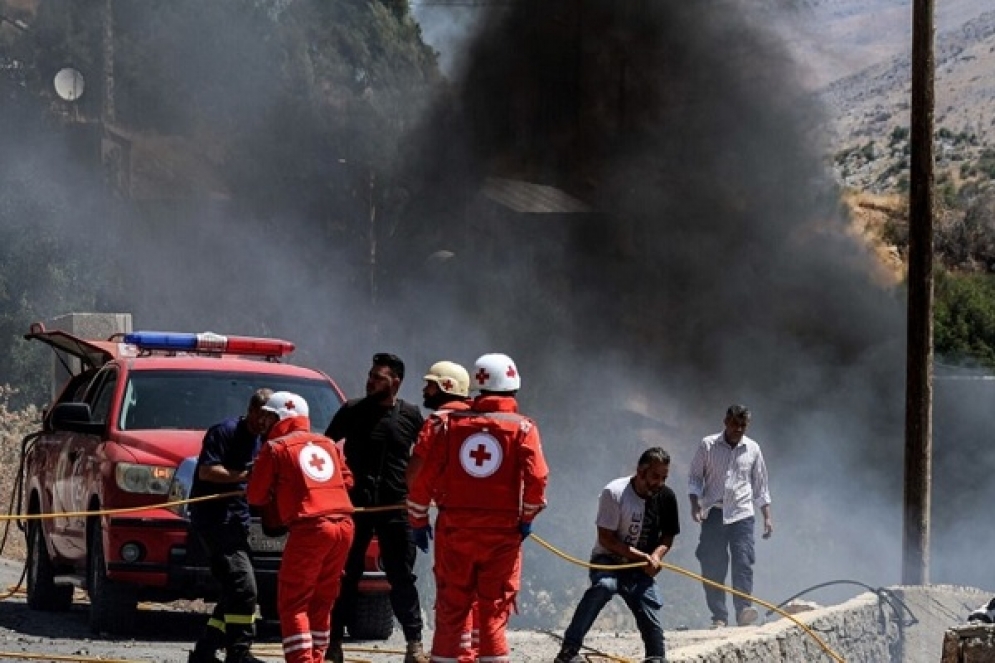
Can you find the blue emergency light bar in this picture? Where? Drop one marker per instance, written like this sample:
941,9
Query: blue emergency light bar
209,342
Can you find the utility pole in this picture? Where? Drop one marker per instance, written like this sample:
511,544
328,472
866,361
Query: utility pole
109,112
919,366
372,208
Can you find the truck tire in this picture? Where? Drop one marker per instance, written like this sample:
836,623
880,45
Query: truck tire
374,618
43,593
113,607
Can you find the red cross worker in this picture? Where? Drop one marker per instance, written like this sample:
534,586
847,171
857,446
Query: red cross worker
487,501
302,477
447,389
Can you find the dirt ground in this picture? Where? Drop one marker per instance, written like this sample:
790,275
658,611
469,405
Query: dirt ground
165,633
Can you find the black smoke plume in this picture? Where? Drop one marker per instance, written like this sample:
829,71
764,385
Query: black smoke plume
714,267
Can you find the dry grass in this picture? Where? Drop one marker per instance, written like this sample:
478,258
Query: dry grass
14,425
870,216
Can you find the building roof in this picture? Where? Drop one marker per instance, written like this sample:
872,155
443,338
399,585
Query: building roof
528,198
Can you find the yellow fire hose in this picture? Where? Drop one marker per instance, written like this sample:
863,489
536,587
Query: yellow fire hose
694,576
164,505
397,507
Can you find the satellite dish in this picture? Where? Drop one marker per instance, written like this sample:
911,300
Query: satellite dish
69,84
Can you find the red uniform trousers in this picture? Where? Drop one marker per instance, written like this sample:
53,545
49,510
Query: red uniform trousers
310,576
474,564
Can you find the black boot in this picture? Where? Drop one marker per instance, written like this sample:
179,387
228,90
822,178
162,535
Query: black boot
239,637
206,649
569,654
201,654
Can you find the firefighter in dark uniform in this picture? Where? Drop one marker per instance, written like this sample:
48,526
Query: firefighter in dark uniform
222,526
379,431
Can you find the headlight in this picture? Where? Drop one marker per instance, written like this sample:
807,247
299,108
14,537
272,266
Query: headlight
181,485
145,479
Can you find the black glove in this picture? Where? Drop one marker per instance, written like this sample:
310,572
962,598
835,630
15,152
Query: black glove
421,536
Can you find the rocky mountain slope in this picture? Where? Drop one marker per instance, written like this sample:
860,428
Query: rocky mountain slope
857,56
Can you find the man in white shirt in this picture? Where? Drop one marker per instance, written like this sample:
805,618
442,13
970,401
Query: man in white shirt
727,477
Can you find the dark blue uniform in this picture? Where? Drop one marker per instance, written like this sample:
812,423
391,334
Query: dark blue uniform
223,528
231,445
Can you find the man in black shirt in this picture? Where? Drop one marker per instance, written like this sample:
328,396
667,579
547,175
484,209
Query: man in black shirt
379,431
222,525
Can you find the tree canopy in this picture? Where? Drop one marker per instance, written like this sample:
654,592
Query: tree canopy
289,108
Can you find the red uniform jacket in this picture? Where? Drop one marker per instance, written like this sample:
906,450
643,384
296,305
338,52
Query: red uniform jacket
302,474
484,469
434,425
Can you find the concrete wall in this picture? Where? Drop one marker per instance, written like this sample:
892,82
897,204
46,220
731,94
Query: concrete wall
938,608
90,326
95,326
866,629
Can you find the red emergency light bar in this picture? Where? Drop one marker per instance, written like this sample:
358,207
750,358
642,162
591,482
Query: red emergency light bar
209,342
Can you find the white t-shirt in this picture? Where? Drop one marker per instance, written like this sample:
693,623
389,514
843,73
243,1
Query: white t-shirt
621,510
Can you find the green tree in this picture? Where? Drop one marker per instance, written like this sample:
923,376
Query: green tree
297,108
964,318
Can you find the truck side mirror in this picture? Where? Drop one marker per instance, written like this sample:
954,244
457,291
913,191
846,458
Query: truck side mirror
76,418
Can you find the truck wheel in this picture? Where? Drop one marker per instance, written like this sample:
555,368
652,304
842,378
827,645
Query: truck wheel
374,618
113,606
43,593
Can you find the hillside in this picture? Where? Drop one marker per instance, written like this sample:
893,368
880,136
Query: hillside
855,55
861,69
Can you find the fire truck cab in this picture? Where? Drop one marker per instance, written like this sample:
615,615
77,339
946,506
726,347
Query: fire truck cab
120,442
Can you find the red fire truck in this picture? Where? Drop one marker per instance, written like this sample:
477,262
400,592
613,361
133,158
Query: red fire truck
121,440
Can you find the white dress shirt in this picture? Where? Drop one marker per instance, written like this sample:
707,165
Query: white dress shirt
730,478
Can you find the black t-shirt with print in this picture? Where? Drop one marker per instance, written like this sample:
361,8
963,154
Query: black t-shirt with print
661,519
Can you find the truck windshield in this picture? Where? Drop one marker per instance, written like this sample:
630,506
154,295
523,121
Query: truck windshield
196,400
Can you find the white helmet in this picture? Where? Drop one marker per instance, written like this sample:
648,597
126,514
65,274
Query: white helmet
496,372
450,377
286,405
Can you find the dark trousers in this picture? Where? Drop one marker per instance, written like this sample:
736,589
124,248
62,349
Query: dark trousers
397,551
232,624
719,545
640,594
